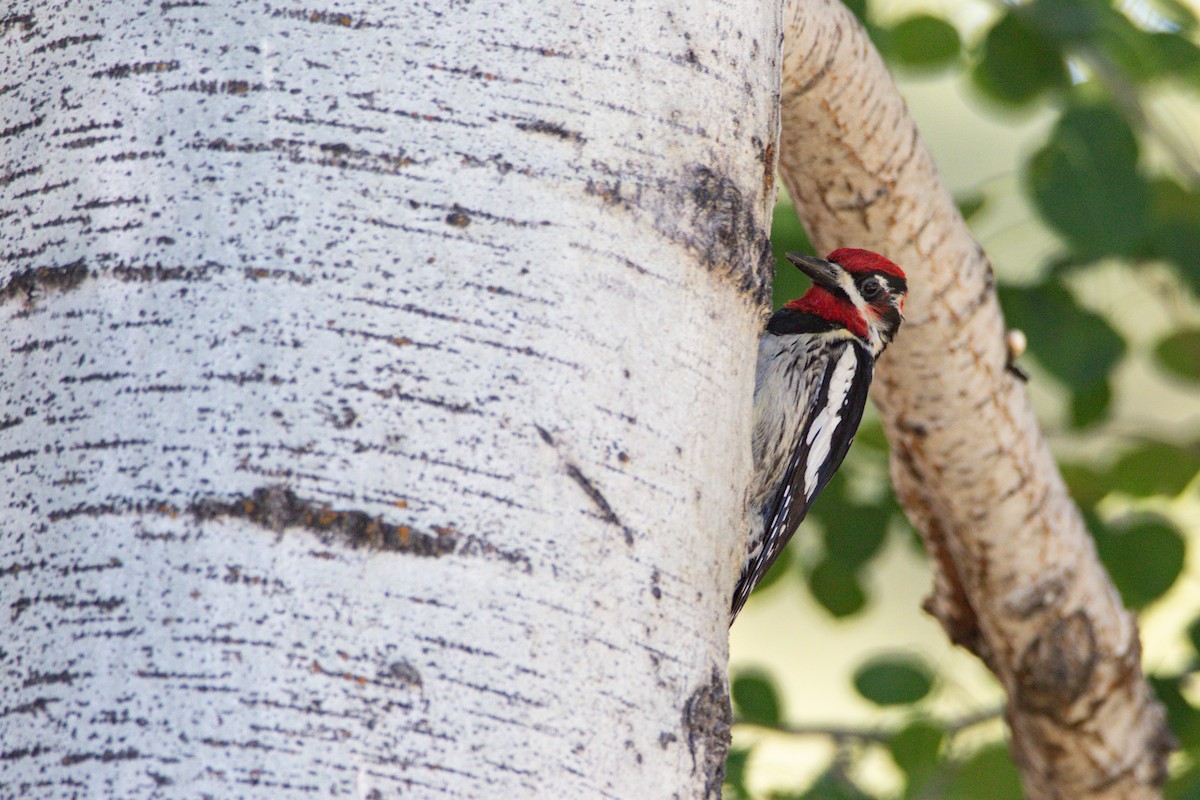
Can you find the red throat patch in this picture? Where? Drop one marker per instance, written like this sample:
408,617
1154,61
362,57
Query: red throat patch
820,302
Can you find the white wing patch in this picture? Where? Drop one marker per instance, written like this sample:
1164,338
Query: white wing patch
825,424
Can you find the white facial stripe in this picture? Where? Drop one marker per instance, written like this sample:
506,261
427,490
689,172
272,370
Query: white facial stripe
846,284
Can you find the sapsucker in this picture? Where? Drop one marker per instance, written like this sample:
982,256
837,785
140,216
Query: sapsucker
815,361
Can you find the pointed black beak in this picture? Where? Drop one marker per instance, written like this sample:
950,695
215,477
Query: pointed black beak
823,273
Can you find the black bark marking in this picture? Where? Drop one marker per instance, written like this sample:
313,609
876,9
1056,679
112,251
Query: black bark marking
24,21
144,68
325,154
31,708
1057,666
29,282
21,127
278,507
404,672
128,754
574,473
340,20
36,678
67,41
9,177
158,272
552,129
23,752
706,719
86,141
64,602
606,510
542,432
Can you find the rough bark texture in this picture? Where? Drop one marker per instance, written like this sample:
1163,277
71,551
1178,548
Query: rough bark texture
1017,580
348,444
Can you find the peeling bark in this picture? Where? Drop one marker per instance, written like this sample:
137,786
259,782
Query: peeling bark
348,444
1017,580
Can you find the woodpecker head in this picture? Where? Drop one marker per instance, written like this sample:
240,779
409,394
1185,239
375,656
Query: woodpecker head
858,290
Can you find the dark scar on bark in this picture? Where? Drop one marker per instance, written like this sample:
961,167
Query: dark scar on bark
706,720
278,507
28,283
720,224
1057,666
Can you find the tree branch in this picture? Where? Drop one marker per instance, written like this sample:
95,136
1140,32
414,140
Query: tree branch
874,735
1016,576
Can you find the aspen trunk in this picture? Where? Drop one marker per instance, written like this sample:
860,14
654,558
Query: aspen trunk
373,381
1017,580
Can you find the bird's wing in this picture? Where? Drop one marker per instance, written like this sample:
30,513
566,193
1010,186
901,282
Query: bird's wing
820,445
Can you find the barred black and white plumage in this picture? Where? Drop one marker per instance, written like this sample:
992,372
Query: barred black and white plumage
815,362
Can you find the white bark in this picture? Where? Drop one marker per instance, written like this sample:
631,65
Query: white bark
375,406
1017,577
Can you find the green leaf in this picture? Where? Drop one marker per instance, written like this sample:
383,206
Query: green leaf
1185,785
915,750
755,698
735,775
1066,21
1136,53
1174,233
989,774
1179,354
1076,346
970,204
1144,558
1177,56
858,8
1155,468
853,533
893,680
1087,485
1090,405
830,786
1018,63
870,436
836,588
925,42
1182,717
1085,182
1193,633
788,236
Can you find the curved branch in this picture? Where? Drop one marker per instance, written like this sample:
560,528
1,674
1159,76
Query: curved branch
1017,579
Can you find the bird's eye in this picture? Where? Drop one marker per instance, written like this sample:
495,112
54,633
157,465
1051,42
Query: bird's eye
871,289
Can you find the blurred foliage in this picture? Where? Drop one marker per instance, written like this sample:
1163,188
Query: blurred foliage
1092,64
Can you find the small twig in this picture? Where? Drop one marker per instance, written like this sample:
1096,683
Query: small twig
843,733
